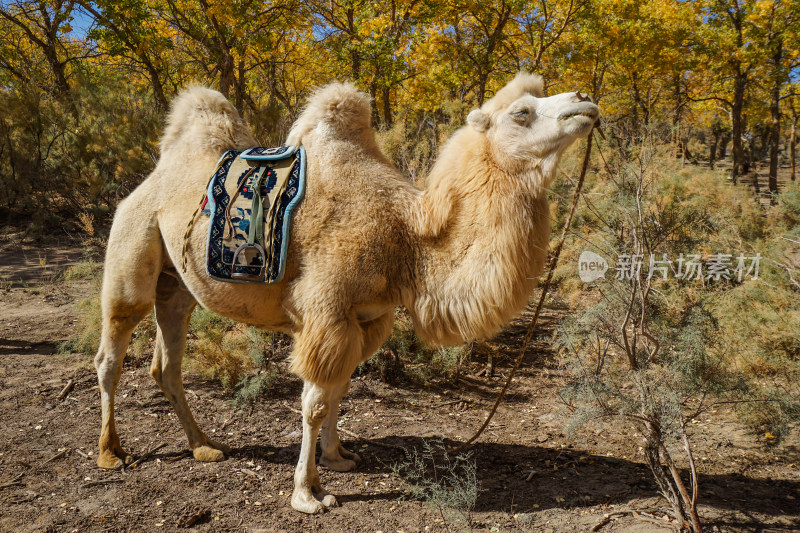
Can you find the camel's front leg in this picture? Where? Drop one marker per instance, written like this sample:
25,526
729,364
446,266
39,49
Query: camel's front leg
334,455
309,496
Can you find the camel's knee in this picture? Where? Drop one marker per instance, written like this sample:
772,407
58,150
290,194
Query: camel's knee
116,334
316,404
167,358
101,360
121,319
314,413
168,378
167,374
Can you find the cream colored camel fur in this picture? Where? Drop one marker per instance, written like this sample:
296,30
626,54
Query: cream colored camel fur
462,255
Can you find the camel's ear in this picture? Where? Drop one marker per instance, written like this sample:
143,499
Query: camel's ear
478,120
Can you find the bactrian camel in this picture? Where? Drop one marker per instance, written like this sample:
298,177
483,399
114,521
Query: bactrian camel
462,255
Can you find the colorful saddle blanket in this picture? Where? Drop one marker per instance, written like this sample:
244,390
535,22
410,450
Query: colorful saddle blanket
250,200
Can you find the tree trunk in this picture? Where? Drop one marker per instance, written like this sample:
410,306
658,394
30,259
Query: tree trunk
774,140
482,79
652,456
58,68
676,117
712,148
158,88
241,87
723,145
387,107
355,57
50,50
737,123
686,153
227,76
793,147
373,92
775,113
639,102
748,150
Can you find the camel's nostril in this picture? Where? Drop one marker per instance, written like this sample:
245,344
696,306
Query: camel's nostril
583,97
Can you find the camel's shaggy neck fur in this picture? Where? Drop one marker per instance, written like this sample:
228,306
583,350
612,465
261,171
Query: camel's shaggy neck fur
483,241
484,223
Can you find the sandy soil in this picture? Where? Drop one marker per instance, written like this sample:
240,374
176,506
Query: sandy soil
533,476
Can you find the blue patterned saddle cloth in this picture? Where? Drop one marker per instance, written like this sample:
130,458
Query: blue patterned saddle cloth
250,200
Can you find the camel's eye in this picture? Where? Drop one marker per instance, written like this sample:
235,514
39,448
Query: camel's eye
521,115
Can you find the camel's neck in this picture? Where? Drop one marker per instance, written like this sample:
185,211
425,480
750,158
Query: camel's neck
484,237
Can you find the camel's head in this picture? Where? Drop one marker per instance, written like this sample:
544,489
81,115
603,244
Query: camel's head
523,126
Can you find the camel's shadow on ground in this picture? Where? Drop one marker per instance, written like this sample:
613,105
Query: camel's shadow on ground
518,478
560,478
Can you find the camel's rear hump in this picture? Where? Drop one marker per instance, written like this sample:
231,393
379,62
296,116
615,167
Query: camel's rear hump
203,120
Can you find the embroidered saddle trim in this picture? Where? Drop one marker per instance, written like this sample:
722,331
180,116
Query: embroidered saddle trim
250,200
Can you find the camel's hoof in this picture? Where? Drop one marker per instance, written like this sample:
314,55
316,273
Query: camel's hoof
305,502
113,459
350,455
208,454
329,501
339,464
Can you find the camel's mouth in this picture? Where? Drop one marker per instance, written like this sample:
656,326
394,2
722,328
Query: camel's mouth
565,116
580,110
589,111
579,119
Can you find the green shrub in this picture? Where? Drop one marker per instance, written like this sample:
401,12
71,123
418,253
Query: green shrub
218,347
659,353
447,484
82,270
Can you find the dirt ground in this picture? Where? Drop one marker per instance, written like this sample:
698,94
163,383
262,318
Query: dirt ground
534,477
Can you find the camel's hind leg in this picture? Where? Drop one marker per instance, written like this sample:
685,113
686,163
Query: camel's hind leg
117,330
174,306
133,260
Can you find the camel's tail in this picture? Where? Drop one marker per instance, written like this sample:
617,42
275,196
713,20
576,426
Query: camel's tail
203,120
338,110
